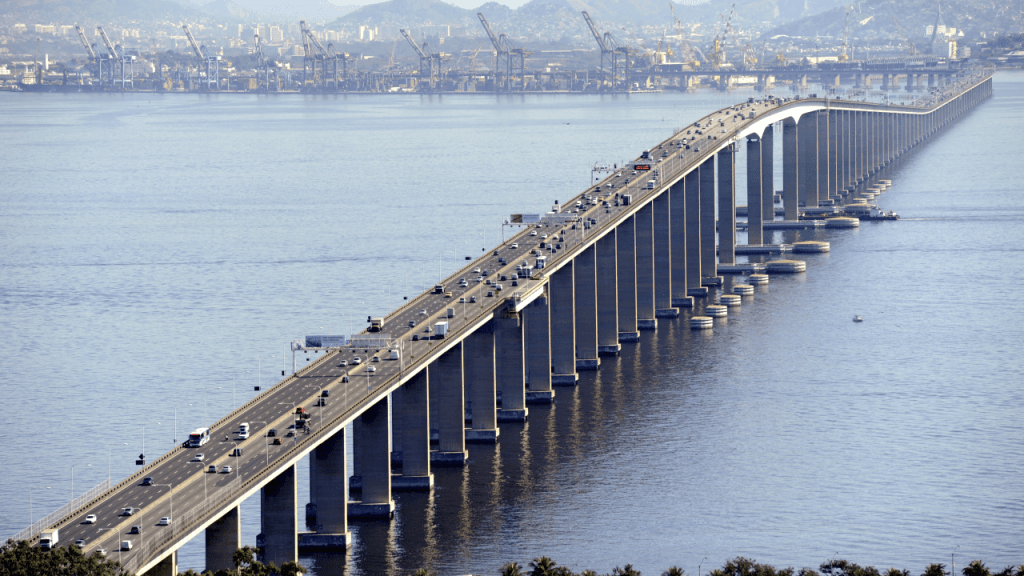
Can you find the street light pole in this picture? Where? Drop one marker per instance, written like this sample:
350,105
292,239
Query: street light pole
266,440
170,490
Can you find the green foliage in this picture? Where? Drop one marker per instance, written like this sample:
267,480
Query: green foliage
19,558
897,572
844,568
976,568
628,570
423,572
588,573
542,566
741,566
935,570
673,571
811,572
512,569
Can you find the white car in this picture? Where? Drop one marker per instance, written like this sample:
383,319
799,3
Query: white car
343,363
514,245
371,369
243,434
101,551
90,519
225,470
126,544
165,521
357,360
197,458
80,542
534,233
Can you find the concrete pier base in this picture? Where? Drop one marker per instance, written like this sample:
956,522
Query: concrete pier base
376,510
666,313
588,363
167,567
484,436
223,537
647,323
609,350
513,415
683,301
565,379
412,483
540,397
711,281
629,337
314,542
698,292
449,458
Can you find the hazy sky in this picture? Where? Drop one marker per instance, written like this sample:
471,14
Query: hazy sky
459,3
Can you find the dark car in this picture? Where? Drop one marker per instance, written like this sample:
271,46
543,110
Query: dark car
415,337
147,481
325,393
277,442
271,433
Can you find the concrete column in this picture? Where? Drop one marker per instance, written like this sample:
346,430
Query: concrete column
415,417
331,500
677,205
223,537
562,290
510,369
808,137
833,154
790,169
693,270
768,174
708,253
727,205
278,518
663,257
823,154
376,462
451,408
396,437
607,296
625,246
585,286
481,381
644,219
755,180
167,567
848,133
537,320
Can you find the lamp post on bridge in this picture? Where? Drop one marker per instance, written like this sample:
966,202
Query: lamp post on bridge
202,468
116,543
259,370
170,491
73,481
31,516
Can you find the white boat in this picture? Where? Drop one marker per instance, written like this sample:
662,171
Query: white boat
858,319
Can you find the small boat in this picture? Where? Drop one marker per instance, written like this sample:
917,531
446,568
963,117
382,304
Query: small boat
858,319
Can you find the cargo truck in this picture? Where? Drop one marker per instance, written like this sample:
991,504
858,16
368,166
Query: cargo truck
440,330
376,324
49,539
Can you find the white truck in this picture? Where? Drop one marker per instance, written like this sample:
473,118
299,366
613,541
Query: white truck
48,540
395,354
440,330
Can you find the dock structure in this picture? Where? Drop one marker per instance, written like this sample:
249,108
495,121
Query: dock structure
598,273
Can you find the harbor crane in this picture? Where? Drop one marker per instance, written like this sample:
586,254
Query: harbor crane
262,65
430,62
212,62
124,61
85,42
509,57
611,53
326,58
685,50
910,43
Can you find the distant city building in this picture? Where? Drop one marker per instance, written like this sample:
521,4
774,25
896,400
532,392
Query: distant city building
275,34
20,28
240,26
293,29
65,30
46,29
943,30
367,33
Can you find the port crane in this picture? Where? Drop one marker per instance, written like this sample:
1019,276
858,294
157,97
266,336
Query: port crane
125,63
212,62
430,62
910,43
509,57
326,58
685,50
262,65
611,53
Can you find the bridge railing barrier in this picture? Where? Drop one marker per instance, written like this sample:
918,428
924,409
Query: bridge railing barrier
46,521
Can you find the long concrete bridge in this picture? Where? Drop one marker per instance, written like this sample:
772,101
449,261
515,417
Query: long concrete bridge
595,272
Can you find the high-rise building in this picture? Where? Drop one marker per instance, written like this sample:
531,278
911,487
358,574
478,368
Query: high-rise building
275,34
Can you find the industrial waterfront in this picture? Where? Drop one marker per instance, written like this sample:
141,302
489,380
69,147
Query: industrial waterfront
319,257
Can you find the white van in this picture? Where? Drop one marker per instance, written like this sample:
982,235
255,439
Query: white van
243,430
126,544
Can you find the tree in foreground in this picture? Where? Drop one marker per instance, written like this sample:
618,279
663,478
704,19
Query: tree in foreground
543,566
19,558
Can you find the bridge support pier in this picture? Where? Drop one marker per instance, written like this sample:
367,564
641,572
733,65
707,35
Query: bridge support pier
374,452
585,286
693,237
482,385
279,520
223,537
822,154
537,317
607,296
808,171
508,342
790,169
645,319
833,155
708,263
663,257
415,416
451,411
677,208
755,229
168,566
625,246
327,490
727,205
561,288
